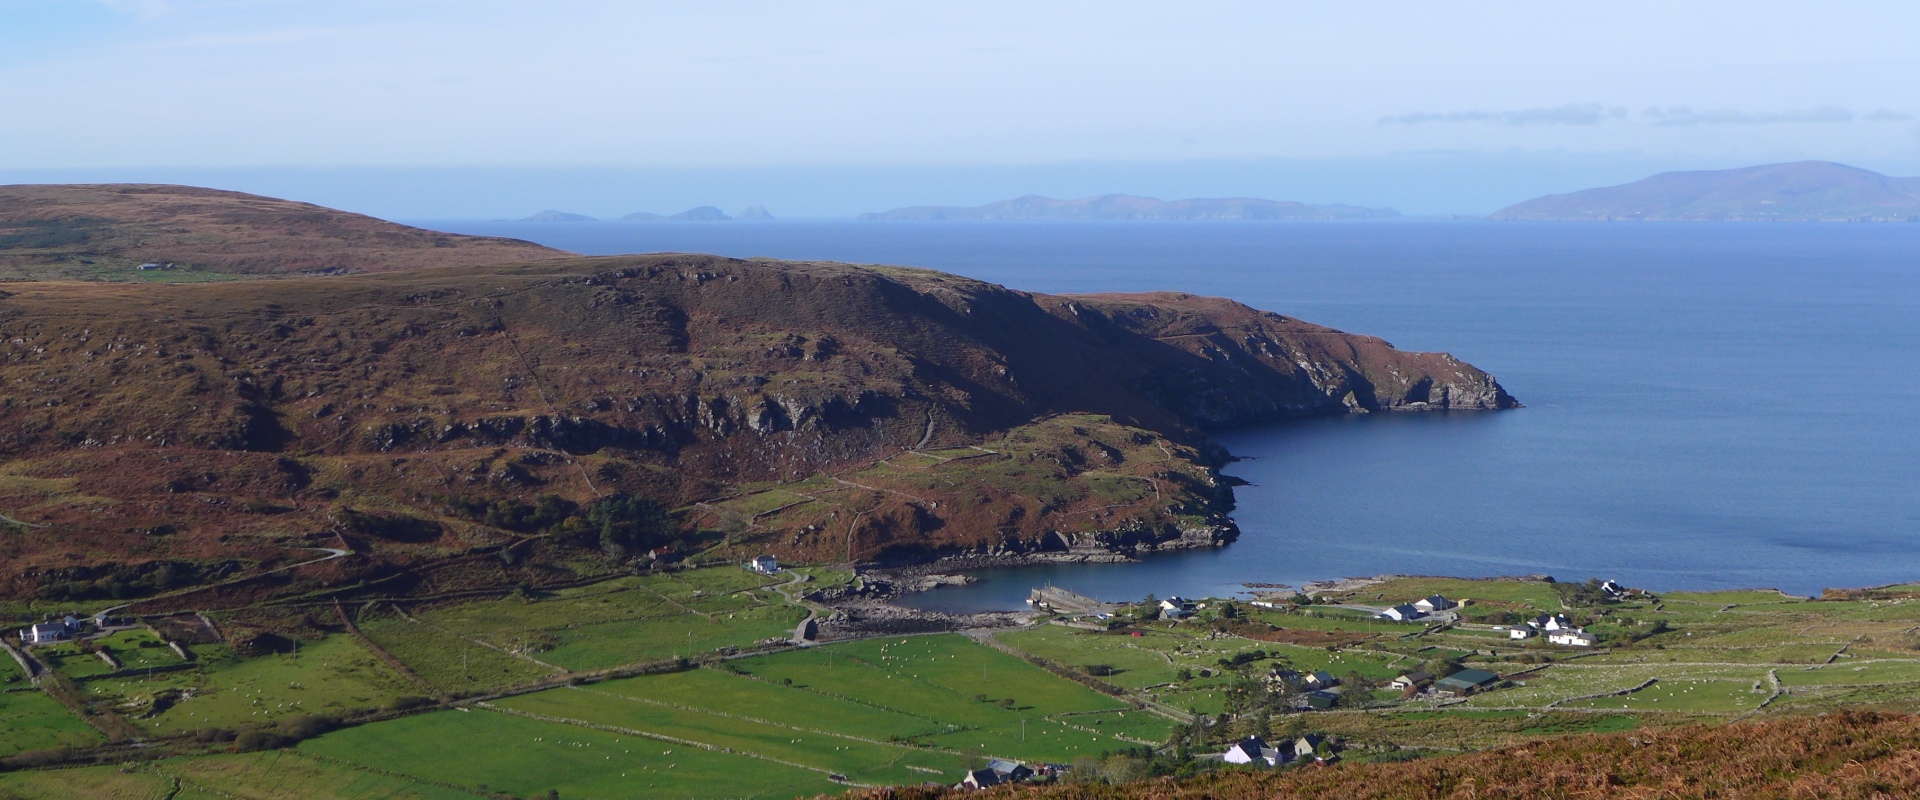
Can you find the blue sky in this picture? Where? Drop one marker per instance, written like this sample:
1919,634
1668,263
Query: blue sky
1198,98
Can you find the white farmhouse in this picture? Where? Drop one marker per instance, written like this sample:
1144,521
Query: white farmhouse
1571,637
1252,751
765,565
1402,613
1434,603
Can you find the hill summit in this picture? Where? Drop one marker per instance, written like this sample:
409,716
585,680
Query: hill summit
1802,191
111,231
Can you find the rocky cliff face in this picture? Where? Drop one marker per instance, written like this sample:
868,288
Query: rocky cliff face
230,414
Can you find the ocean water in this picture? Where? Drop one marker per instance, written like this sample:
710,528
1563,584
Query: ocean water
1708,406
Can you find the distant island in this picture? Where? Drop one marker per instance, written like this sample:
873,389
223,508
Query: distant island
1803,191
701,214
1128,207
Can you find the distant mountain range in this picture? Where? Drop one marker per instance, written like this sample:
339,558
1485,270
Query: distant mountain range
1127,207
701,214
1803,191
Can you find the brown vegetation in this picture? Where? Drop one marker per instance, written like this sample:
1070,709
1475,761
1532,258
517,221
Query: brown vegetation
164,437
91,232
1854,754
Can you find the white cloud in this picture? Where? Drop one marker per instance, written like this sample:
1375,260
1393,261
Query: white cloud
1682,115
1569,114
1886,115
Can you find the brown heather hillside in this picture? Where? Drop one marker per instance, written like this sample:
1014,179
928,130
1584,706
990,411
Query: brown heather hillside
106,231
1854,754
160,436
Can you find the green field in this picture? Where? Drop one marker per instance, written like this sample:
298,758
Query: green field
332,675
35,721
609,624
448,661
861,759
528,757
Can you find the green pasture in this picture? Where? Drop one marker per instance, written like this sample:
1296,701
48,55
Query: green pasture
724,692
527,757
1845,674
91,783
291,775
1133,723
1685,696
591,647
862,759
332,675
448,661
609,624
1332,619
1538,596
35,721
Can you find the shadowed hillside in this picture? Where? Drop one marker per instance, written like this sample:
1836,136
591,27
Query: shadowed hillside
1854,754
107,231
189,426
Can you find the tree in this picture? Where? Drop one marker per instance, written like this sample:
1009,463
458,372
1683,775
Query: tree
626,524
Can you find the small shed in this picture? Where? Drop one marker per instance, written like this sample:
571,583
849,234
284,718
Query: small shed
1418,677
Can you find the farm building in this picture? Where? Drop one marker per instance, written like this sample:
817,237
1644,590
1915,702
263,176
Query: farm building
1009,770
45,633
1434,603
1466,682
978,779
1572,637
1176,608
1320,679
1402,613
1416,678
1322,699
1253,751
1313,746
1521,632
765,565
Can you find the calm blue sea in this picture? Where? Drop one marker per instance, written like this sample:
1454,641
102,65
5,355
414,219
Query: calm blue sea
1708,406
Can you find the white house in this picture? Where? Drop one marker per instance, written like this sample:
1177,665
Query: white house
765,565
1572,637
1612,589
978,779
1252,751
1434,603
1521,632
1556,622
45,633
1418,677
1402,613
1176,607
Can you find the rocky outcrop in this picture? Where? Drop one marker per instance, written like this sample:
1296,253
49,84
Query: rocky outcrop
679,378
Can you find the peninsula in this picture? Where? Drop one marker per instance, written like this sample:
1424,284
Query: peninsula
1803,191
